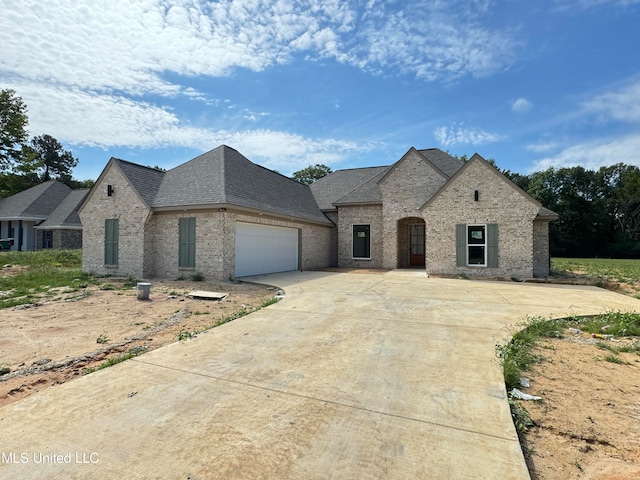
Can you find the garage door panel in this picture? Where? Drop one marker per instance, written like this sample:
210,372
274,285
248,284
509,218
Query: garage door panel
265,249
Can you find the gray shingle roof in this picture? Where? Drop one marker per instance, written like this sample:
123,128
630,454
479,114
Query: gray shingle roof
66,214
362,182
223,176
446,163
35,203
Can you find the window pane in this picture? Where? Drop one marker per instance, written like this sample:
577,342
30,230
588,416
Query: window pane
476,255
361,241
476,235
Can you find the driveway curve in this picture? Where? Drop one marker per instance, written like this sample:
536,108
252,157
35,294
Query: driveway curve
351,376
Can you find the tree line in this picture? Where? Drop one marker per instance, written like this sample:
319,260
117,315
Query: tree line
599,210
24,162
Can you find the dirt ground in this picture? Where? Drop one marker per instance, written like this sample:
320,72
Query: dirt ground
61,338
587,425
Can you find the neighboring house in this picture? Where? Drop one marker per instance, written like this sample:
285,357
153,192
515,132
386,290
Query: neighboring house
44,216
225,217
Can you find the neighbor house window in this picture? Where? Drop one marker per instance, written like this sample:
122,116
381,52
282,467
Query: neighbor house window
111,234
362,241
187,243
477,245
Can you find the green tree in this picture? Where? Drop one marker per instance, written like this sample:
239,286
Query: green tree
311,173
46,157
13,124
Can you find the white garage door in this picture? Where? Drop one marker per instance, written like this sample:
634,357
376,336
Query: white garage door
265,249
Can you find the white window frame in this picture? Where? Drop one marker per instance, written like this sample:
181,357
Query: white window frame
484,245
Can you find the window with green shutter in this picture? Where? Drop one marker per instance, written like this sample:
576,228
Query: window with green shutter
111,234
477,245
187,243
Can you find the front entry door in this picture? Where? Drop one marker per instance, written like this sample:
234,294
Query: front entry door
416,242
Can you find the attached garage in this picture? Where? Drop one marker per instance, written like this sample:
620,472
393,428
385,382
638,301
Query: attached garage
265,249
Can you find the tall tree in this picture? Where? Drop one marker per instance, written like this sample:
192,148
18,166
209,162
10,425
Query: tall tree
13,127
311,173
46,157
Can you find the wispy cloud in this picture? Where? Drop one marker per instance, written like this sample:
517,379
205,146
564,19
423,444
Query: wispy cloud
622,104
521,105
459,134
595,154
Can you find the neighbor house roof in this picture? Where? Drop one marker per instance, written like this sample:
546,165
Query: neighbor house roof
221,177
65,216
35,203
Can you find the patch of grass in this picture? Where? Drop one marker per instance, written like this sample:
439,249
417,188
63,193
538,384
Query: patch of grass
102,338
621,270
635,348
197,277
186,335
620,324
606,346
520,415
613,359
517,355
134,352
43,271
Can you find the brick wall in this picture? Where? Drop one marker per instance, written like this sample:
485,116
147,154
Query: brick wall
132,213
405,190
64,239
500,203
360,215
541,248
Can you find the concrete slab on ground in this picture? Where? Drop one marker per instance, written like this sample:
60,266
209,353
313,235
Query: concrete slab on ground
350,376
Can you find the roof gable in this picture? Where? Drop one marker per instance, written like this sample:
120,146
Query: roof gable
443,163
475,159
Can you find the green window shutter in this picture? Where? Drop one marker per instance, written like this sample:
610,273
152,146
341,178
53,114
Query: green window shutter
111,234
187,242
461,245
492,245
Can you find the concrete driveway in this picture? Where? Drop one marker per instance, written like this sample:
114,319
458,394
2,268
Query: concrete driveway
351,376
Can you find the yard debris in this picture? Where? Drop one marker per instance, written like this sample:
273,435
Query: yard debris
205,295
524,382
515,393
575,331
601,336
4,369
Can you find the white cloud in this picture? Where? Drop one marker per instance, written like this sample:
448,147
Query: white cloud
571,4
541,147
521,105
595,154
457,134
622,104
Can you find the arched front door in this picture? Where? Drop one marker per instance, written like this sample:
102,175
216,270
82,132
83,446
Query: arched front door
411,242
416,242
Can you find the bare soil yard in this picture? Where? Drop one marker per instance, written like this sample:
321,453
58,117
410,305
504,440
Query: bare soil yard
61,338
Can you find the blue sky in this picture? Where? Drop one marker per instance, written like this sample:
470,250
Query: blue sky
291,83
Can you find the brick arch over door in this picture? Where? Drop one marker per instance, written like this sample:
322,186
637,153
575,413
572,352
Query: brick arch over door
411,242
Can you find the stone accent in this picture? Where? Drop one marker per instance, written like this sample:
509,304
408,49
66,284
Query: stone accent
65,239
360,215
405,189
499,202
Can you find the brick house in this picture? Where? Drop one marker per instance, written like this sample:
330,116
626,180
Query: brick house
44,216
225,217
